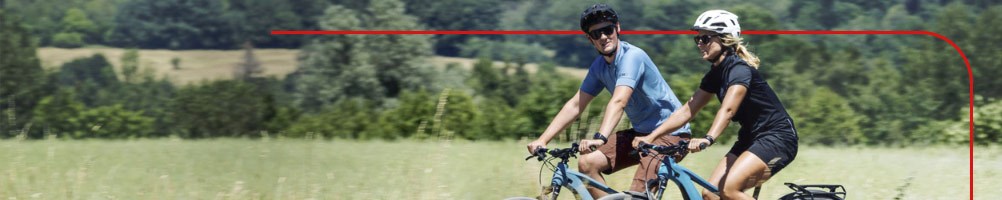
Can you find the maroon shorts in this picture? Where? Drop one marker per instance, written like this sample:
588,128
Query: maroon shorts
620,153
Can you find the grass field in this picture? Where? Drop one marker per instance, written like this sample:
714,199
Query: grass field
338,169
199,65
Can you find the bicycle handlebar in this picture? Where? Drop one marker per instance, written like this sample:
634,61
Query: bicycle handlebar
540,154
564,153
681,147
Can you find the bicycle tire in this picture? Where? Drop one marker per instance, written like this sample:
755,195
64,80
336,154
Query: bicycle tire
626,195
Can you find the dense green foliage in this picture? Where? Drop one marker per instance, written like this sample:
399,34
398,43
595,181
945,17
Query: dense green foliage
373,67
173,24
840,89
21,77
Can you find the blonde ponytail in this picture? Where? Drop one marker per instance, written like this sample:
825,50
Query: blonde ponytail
741,50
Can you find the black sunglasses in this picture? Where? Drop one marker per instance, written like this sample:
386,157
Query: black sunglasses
597,33
703,39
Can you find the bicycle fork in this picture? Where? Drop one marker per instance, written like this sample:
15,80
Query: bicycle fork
558,180
562,178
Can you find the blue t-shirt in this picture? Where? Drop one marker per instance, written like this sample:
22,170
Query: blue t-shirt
652,100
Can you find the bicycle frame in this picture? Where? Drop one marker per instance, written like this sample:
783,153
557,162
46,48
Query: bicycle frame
683,178
667,170
576,181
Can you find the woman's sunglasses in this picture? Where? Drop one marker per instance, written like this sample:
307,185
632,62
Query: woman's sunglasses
597,33
703,39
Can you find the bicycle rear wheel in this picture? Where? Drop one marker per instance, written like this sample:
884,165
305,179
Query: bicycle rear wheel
627,195
819,195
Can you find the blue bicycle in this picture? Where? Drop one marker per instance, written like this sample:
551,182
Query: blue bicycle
668,170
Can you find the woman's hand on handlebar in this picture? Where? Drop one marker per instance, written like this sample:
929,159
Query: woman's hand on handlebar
534,145
698,144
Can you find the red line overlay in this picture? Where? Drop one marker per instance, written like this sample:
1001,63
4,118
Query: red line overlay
970,74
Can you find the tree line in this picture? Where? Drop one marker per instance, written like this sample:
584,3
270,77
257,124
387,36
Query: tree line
841,89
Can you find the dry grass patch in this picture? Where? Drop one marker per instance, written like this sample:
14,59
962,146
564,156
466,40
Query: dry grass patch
198,65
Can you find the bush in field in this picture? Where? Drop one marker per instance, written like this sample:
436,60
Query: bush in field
826,118
220,108
458,117
349,119
55,114
112,122
92,78
413,110
500,121
61,114
987,123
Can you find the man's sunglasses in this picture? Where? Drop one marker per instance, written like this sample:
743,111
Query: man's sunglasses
703,39
597,33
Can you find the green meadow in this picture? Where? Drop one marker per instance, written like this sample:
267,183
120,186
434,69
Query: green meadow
279,168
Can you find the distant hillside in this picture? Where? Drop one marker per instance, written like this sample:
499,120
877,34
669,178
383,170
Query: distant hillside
197,65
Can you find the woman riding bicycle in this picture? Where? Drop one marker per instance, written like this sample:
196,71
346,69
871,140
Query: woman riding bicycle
767,140
637,88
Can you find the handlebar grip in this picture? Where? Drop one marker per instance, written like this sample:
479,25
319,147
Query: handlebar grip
643,147
540,151
702,146
539,154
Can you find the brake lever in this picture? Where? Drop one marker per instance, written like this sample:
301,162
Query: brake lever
540,154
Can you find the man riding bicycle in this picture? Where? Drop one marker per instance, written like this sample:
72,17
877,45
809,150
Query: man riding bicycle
637,88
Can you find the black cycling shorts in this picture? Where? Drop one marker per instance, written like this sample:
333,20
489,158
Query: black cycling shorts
776,147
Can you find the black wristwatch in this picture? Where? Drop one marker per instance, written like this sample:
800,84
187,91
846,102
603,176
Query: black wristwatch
710,138
599,136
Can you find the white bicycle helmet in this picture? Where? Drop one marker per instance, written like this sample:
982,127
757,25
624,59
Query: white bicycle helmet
719,21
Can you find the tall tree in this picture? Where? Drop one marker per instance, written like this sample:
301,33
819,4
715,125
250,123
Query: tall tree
248,67
254,19
173,24
333,68
78,29
21,75
92,77
985,64
938,74
456,15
